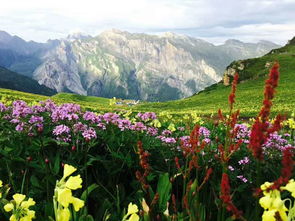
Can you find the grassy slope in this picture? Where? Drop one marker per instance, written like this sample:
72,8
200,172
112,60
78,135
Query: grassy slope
15,81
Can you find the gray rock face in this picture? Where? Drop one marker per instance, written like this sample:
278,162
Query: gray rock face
138,66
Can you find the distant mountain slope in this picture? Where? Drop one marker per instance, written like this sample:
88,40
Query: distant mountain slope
125,65
253,73
14,81
140,66
21,56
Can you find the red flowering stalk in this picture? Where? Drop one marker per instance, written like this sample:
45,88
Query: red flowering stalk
208,174
260,129
270,84
185,197
220,115
232,95
177,163
194,138
226,197
143,162
143,156
174,204
287,169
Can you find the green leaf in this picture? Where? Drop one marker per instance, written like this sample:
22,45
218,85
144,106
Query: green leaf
56,166
35,182
88,191
86,218
164,190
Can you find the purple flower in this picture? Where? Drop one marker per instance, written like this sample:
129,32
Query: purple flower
242,178
169,140
61,129
147,116
35,119
90,116
15,121
138,126
38,109
231,168
276,141
166,132
3,108
152,131
20,127
203,131
111,118
244,161
180,128
101,126
124,124
88,134
20,109
79,127
243,133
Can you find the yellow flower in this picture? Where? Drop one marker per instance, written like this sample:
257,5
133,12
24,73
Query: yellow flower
77,203
74,182
20,208
68,170
1,184
28,203
272,203
132,208
8,207
63,215
133,217
63,194
18,198
156,123
290,187
269,215
171,127
64,197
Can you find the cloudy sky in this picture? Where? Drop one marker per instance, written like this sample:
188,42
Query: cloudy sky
212,20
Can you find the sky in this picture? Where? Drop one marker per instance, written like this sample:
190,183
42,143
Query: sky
211,20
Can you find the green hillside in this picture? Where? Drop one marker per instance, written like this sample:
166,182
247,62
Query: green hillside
15,81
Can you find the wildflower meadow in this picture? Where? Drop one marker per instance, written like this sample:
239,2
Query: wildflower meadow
64,162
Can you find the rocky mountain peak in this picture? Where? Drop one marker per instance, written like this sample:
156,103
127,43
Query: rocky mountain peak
4,36
77,36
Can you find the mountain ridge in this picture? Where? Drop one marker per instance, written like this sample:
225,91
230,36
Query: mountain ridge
131,65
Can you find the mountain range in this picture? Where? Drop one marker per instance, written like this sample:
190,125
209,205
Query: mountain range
126,65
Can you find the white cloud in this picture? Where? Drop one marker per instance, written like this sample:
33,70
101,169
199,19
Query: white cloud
209,19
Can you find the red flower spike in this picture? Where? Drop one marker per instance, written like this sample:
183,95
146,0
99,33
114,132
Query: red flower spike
226,197
260,130
232,95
